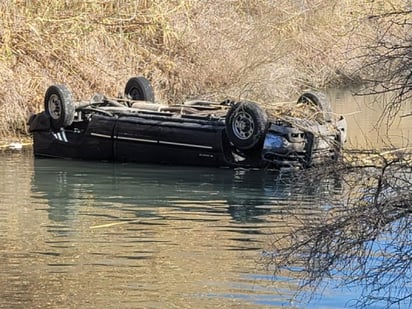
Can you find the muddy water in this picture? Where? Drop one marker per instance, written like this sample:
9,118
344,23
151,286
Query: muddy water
367,129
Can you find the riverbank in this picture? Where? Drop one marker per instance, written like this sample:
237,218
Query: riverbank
219,49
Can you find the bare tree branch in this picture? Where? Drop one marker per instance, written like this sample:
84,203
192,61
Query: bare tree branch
364,237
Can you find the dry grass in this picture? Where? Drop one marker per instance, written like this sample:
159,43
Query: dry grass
256,49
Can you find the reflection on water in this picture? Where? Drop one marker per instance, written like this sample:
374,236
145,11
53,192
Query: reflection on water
91,235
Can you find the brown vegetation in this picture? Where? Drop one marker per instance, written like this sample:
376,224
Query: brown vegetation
259,49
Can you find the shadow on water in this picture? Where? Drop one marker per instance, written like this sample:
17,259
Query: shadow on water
248,194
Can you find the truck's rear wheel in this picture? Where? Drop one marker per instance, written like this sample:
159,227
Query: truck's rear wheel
59,106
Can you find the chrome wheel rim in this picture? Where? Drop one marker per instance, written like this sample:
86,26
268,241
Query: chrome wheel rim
243,125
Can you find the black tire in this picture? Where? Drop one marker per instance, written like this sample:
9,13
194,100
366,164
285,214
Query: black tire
59,106
318,99
140,89
246,125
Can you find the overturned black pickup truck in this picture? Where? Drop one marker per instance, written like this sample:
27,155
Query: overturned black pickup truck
133,128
